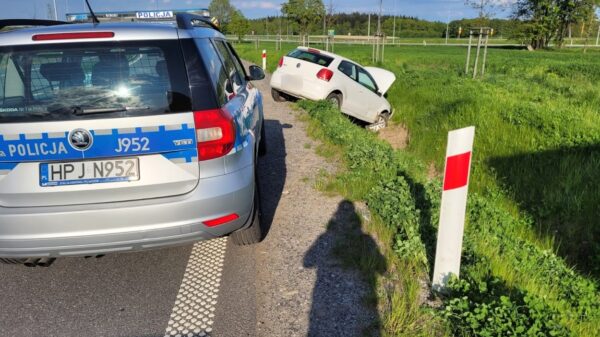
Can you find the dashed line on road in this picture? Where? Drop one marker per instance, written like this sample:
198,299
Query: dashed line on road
193,313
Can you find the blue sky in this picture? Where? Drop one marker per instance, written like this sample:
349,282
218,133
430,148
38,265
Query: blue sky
427,9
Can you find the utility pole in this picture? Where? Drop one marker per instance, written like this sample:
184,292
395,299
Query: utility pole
325,23
378,48
55,10
394,29
598,36
379,17
481,10
447,30
369,27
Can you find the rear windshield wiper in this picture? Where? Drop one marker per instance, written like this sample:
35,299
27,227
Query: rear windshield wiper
90,111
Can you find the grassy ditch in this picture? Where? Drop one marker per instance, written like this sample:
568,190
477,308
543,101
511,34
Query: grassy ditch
538,131
531,255
509,286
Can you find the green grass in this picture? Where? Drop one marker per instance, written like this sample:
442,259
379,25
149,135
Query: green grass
534,180
538,131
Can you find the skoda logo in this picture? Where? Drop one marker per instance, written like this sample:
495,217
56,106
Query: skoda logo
80,139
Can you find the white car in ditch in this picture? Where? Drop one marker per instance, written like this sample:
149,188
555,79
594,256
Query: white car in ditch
317,75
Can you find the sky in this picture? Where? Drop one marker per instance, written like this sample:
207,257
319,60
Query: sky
440,10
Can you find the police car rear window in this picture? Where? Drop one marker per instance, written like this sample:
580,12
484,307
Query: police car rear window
92,80
312,57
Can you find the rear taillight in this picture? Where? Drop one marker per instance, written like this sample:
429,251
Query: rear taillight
280,64
325,74
72,36
222,220
215,133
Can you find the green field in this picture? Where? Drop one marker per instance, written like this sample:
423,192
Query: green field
535,176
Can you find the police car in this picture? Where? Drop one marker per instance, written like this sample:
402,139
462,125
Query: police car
120,137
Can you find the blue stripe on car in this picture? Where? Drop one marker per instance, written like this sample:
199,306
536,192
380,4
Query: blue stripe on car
104,145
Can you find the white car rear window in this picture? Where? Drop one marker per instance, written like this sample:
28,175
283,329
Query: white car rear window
312,57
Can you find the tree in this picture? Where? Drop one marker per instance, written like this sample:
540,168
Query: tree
222,10
549,20
239,25
305,13
485,8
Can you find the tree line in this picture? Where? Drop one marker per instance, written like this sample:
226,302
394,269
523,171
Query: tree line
536,22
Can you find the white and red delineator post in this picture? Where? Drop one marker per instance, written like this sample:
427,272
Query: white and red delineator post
454,205
264,59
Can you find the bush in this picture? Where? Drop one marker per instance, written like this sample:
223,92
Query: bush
393,202
482,308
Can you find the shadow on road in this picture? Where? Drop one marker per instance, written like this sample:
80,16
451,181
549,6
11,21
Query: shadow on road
271,172
347,262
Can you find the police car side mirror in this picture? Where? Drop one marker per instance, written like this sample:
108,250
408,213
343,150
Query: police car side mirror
256,73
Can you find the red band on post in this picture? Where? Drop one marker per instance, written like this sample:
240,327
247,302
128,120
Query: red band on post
457,171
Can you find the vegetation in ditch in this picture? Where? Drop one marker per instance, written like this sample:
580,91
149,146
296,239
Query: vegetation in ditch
538,128
531,254
509,285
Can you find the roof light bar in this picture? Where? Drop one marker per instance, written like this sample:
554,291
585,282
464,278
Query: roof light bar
72,36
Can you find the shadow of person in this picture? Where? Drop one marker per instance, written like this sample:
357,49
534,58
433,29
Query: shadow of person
347,262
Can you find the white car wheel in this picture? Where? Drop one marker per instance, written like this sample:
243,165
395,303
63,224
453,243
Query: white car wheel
335,100
381,123
277,96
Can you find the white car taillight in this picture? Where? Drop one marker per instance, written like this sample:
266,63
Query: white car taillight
215,133
325,74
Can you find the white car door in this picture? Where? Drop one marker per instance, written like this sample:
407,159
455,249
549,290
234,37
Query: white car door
349,79
362,100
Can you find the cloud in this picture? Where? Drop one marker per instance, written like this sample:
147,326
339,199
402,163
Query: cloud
166,1
257,4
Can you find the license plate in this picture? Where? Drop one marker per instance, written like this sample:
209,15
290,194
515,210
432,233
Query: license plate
89,172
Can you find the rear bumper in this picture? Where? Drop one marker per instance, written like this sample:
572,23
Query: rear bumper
312,91
128,226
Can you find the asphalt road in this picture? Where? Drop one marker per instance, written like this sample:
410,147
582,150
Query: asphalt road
288,285
128,294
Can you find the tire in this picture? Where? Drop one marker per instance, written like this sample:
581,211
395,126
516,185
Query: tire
277,96
262,145
382,122
335,99
254,233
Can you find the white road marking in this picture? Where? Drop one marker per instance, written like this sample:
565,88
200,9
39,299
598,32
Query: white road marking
193,313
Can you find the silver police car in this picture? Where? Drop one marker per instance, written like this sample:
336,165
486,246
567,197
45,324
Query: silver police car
119,137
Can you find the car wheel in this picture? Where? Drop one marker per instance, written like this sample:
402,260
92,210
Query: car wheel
277,96
262,145
335,99
254,233
381,123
